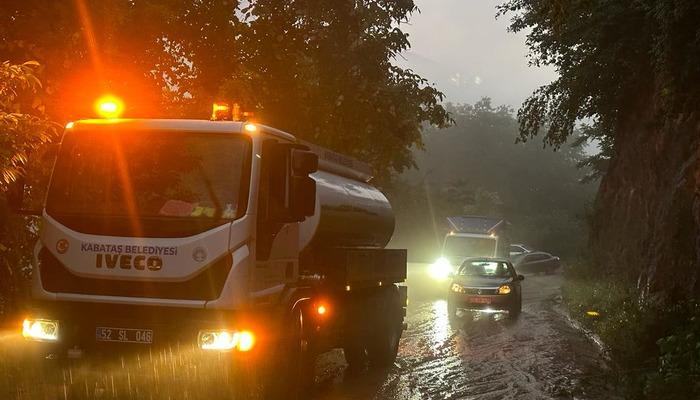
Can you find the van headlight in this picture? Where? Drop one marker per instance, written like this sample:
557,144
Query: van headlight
440,269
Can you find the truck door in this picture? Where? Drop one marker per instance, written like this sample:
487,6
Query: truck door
287,195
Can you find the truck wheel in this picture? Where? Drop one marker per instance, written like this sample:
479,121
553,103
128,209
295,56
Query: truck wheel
290,374
355,354
383,343
354,342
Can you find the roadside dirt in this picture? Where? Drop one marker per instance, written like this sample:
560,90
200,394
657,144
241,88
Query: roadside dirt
541,355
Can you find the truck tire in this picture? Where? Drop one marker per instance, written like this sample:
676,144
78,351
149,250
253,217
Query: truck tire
383,342
355,354
290,371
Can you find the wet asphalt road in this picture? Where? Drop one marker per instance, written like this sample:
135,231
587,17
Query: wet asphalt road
538,356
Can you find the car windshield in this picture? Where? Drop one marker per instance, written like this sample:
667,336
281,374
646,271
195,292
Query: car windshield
469,246
490,269
150,174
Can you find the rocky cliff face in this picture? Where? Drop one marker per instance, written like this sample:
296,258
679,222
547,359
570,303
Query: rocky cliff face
647,223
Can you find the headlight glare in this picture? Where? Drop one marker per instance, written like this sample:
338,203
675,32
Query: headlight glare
440,269
40,329
224,340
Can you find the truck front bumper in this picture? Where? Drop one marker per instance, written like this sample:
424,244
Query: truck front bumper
92,327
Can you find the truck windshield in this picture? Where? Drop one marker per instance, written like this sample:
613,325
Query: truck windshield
150,174
469,246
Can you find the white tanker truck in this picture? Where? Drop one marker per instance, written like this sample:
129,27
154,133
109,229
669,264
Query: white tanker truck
227,235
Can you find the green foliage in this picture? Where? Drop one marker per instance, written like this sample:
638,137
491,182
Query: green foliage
476,167
24,131
23,128
324,71
655,346
678,362
613,56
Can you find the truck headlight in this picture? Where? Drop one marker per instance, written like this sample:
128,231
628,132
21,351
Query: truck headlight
440,269
224,340
504,289
40,329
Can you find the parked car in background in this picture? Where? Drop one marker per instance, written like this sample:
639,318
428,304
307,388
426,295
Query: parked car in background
536,262
518,249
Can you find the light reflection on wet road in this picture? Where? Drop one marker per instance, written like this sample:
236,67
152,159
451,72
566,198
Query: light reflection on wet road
538,356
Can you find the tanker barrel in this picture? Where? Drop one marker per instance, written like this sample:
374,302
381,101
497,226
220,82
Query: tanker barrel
349,211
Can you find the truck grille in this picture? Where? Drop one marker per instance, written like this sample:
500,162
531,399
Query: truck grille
207,285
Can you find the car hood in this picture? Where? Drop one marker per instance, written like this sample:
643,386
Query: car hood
476,281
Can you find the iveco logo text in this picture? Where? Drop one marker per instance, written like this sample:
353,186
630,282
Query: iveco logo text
127,261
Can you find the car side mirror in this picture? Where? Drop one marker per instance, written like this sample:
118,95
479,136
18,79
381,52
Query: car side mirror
521,277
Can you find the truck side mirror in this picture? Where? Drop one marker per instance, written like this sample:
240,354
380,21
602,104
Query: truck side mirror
304,162
291,192
303,188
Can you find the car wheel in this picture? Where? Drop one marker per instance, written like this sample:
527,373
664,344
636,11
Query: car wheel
515,309
451,310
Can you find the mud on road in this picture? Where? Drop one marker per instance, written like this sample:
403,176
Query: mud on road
541,355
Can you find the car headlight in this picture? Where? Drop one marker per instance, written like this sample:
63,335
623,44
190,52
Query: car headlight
458,288
440,269
504,289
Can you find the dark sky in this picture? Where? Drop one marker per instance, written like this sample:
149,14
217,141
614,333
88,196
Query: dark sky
462,48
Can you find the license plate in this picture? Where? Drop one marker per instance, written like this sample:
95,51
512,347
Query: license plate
123,335
480,300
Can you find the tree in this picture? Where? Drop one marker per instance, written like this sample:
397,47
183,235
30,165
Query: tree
324,72
23,127
24,130
476,167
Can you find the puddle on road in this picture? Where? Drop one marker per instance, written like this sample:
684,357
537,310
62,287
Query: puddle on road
440,327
